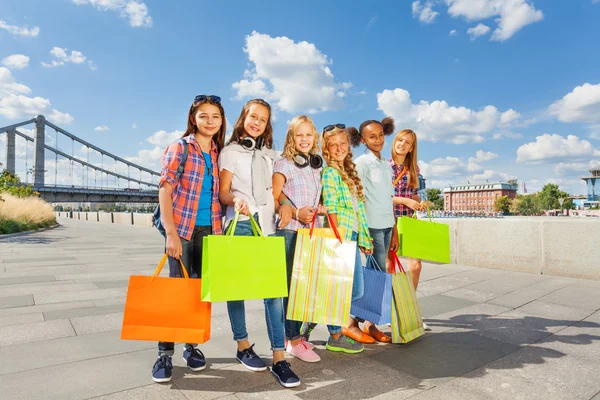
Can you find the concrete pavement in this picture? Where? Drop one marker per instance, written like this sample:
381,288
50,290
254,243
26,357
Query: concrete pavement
496,334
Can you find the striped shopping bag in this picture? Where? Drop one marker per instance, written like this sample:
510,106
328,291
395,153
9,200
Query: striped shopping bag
322,276
407,322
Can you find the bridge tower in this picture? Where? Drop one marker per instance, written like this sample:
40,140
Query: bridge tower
38,155
10,151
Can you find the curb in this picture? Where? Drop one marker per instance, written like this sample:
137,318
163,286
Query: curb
17,234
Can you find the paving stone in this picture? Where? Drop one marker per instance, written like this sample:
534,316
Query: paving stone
94,378
26,279
580,296
34,332
464,318
21,319
444,356
47,298
150,392
519,297
506,284
16,301
50,287
45,308
440,285
554,311
439,304
97,323
472,295
111,284
67,350
40,260
82,312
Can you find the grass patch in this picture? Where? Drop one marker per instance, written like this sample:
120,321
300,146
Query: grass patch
24,214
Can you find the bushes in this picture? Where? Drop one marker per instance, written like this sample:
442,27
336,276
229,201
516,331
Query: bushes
23,214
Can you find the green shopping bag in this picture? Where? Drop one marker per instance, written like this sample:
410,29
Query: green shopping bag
407,322
424,240
243,267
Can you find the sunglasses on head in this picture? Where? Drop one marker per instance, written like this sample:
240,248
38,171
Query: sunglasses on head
332,127
209,98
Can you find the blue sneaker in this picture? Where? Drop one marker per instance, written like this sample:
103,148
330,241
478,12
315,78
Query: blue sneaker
161,372
194,358
251,360
284,374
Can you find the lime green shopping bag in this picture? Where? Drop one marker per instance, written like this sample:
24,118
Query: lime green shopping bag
243,267
425,240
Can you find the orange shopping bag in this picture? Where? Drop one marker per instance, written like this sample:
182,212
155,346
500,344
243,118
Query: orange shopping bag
165,309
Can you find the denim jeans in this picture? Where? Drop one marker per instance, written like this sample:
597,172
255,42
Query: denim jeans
381,245
274,314
292,328
191,258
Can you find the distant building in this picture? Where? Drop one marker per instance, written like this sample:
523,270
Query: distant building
593,185
477,196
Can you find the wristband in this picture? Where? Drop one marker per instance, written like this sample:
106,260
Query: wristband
286,201
297,210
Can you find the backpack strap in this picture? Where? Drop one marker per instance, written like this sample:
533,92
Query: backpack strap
183,159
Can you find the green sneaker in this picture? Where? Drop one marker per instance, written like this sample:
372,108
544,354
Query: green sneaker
306,329
344,345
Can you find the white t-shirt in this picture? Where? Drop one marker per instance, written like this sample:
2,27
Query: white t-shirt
240,165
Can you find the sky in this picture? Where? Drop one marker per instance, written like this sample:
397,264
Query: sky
494,89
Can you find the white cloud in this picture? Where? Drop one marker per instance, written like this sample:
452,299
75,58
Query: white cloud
582,104
151,157
135,11
478,30
295,76
134,126
453,32
14,104
509,116
163,138
566,168
16,61
438,121
101,128
554,147
507,135
19,31
482,156
510,15
59,117
424,11
61,57
442,172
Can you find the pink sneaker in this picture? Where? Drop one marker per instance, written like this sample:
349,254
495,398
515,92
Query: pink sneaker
302,352
302,340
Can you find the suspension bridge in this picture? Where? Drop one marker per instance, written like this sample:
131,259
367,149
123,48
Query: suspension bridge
113,179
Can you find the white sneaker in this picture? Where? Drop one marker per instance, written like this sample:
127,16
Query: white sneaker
426,327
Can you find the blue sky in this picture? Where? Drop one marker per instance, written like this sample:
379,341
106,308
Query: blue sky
495,89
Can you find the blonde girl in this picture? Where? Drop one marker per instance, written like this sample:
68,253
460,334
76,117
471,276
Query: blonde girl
344,198
406,186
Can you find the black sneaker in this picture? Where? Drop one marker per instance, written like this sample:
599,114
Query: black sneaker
283,371
194,358
161,372
251,360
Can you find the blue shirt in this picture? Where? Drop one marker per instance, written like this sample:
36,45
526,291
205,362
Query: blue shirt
204,203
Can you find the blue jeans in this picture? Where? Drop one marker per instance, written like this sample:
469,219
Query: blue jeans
274,314
292,328
191,258
381,245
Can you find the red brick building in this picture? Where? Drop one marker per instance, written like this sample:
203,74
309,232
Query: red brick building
477,196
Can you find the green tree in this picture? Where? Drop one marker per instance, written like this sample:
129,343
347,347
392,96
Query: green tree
502,204
10,183
549,195
525,204
434,195
514,182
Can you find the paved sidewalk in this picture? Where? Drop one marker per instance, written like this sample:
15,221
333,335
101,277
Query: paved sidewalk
496,334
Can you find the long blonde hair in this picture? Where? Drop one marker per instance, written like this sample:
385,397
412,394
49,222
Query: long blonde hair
348,169
410,162
289,146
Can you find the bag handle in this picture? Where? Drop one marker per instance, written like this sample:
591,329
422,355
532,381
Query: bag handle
371,259
400,175
161,264
396,264
255,228
332,226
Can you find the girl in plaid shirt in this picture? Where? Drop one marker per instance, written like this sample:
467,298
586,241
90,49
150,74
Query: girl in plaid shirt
190,207
406,186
